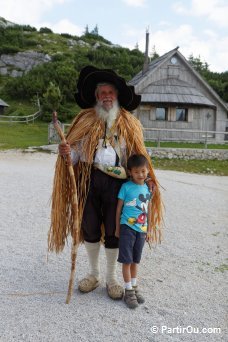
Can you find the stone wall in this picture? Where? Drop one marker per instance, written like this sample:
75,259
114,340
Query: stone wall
181,153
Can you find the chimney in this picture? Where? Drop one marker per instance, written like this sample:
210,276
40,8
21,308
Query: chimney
146,61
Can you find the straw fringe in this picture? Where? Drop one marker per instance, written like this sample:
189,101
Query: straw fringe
87,129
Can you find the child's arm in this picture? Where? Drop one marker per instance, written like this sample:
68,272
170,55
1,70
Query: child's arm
118,213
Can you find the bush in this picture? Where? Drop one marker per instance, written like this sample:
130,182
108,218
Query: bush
45,30
67,35
65,113
28,28
30,42
5,49
94,38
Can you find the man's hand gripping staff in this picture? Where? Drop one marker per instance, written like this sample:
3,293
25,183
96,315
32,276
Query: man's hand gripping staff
75,233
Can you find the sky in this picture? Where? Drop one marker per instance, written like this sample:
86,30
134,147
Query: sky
198,27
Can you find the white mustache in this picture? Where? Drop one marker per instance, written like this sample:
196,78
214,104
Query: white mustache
106,99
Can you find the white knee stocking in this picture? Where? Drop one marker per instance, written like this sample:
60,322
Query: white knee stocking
93,249
111,257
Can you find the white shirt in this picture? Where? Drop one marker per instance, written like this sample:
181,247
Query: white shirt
105,156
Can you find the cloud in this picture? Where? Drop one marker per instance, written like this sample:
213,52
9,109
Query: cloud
210,33
164,23
214,10
27,11
65,26
212,50
167,39
30,12
133,32
135,3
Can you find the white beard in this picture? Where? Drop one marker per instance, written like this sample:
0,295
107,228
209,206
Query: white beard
108,116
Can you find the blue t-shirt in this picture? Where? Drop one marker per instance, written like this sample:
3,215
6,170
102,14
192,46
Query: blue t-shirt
136,198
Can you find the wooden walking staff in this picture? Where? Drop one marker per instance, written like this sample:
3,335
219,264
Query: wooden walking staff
75,233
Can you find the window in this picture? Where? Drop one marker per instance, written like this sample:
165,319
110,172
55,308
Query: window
161,113
181,114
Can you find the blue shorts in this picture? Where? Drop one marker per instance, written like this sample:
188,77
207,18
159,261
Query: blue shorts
131,245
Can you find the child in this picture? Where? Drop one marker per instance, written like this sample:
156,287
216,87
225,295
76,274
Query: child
132,215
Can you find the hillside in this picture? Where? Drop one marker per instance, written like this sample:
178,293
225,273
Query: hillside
6,23
31,59
22,41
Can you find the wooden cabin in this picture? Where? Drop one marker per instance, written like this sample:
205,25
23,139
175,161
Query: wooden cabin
175,96
2,106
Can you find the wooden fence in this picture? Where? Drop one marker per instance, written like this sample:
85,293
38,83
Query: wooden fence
192,136
20,119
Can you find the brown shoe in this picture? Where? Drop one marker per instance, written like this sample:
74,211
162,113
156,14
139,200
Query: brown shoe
139,296
88,284
130,299
114,290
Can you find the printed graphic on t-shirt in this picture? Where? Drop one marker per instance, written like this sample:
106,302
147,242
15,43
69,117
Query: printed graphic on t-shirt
141,204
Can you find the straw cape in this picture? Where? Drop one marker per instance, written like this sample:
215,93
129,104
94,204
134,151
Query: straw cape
86,130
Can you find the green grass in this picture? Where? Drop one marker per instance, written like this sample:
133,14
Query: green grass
172,144
215,167
23,135
19,108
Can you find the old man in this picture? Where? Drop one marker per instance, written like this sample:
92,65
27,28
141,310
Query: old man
101,138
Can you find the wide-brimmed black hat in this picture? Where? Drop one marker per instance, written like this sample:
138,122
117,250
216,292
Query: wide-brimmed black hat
89,78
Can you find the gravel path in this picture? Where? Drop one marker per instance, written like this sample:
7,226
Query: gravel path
184,279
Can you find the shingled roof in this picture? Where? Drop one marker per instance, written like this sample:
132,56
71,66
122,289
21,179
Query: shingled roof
3,104
173,90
